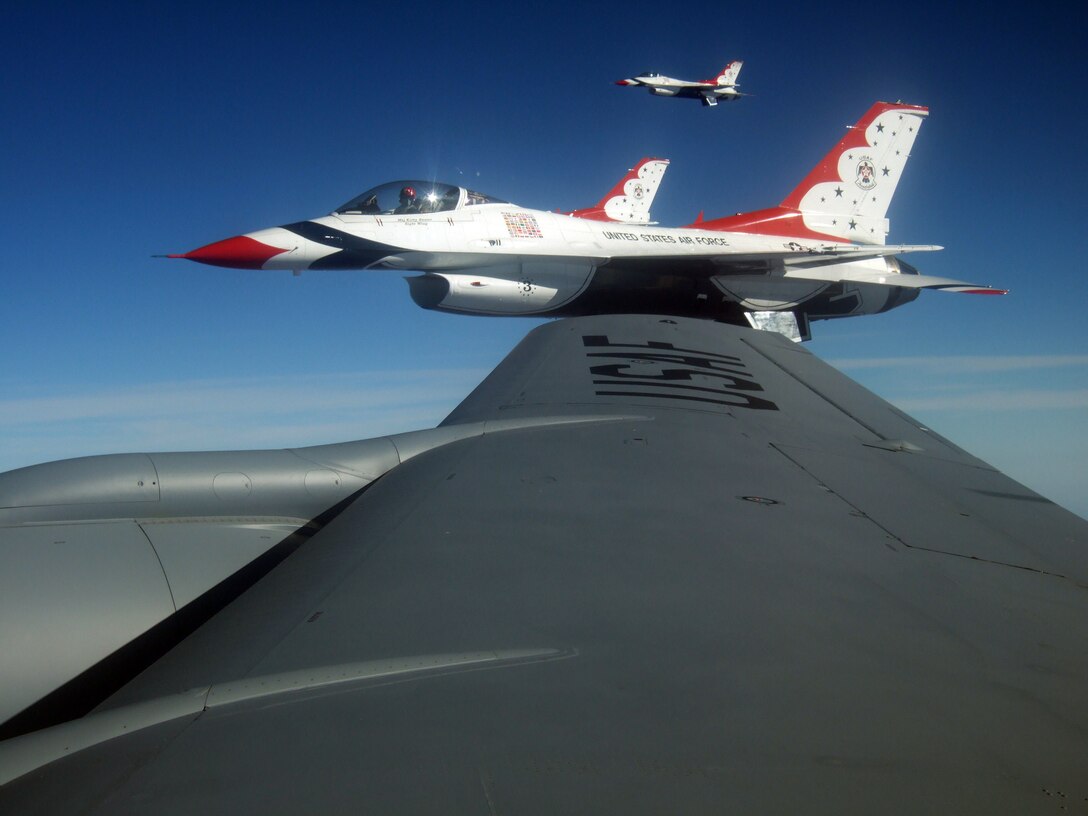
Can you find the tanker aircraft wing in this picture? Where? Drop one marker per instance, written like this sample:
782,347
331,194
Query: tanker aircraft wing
651,564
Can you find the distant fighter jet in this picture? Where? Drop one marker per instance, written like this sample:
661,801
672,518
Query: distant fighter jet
722,88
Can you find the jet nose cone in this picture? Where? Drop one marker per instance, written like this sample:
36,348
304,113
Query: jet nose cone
240,252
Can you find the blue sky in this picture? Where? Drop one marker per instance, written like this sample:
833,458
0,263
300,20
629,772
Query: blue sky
135,129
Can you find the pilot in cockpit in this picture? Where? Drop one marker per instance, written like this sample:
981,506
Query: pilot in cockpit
408,202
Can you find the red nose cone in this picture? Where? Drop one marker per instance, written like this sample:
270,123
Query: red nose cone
239,252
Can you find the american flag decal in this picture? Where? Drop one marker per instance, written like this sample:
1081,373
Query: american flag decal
521,225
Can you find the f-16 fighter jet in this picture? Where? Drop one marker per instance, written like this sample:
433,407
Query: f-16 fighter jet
723,87
819,254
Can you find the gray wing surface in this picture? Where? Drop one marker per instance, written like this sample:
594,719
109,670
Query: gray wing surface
684,567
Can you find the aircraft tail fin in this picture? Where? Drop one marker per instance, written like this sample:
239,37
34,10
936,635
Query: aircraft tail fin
629,201
846,196
729,74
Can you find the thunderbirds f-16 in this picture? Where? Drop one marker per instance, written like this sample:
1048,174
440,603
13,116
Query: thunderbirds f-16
651,564
819,254
723,88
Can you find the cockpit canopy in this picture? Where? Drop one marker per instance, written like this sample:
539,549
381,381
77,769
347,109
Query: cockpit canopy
409,197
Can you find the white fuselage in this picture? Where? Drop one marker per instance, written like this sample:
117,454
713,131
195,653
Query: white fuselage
498,258
497,234
667,86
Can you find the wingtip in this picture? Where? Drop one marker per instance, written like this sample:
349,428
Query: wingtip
968,289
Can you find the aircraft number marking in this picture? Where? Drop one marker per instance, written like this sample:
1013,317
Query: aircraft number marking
663,371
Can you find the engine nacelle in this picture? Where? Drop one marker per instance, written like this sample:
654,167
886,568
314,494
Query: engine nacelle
521,288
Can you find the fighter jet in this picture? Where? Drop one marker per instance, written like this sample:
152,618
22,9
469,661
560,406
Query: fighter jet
819,254
723,87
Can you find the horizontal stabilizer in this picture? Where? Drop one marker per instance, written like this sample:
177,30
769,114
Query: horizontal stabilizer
908,281
802,256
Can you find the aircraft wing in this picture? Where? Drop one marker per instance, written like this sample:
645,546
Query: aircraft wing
801,256
909,281
659,565
790,253
816,262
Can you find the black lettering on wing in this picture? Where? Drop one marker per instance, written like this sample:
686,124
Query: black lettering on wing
741,401
679,359
710,368
674,375
602,341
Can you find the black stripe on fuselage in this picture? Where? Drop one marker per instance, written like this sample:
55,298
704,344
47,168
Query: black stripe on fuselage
355,252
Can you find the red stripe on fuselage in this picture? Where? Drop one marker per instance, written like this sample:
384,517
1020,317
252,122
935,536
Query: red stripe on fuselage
772,221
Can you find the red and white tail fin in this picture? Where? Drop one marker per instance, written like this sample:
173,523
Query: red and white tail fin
847,194
729,73
629,201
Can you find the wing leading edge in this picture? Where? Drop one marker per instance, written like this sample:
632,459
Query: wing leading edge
749,582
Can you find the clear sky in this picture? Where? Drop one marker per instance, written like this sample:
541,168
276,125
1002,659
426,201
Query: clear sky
134,129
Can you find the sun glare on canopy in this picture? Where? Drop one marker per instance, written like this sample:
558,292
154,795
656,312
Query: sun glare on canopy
407,197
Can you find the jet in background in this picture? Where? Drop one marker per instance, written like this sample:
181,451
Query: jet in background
722,88
630,200
820,254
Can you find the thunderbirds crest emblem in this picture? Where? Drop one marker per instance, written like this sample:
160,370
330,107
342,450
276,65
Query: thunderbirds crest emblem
866,175
638,191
